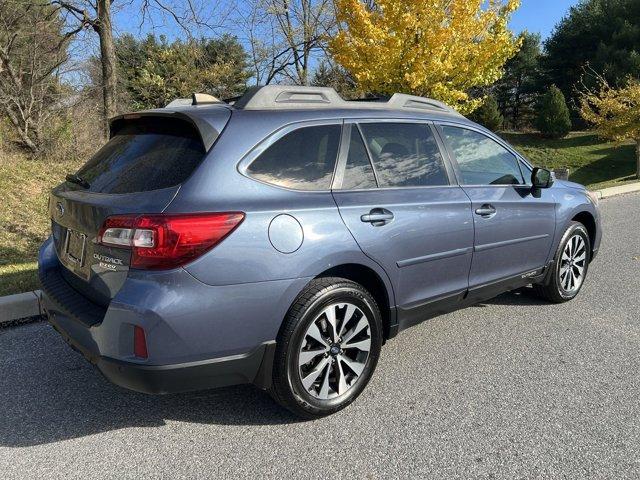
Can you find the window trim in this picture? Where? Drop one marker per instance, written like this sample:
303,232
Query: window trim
520,160
257,150
343,153
343,156
368,150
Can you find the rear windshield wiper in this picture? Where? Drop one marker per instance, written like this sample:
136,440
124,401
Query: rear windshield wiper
77,179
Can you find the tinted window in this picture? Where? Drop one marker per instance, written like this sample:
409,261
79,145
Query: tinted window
303,159
358,172
404,154
482,161
144,155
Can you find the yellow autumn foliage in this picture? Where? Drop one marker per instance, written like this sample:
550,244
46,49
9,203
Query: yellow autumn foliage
614,112
435,48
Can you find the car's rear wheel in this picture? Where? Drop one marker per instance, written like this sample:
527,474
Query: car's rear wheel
570,266
327,348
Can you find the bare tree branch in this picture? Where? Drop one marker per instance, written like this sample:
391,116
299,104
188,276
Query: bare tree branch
32,50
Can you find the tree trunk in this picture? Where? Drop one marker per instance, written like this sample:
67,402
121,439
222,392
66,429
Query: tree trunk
638,158
108,61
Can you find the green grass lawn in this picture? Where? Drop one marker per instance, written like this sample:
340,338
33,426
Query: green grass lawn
24,186
24,224
591,161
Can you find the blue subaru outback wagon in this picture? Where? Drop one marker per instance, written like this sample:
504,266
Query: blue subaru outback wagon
281,239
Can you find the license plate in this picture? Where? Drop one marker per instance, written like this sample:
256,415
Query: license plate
76,244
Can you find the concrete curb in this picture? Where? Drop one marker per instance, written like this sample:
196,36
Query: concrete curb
18,306
613,191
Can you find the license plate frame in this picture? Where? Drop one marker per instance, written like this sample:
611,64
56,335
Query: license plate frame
75,247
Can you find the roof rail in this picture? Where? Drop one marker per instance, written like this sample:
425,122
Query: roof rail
179,102
204,98
283,96
196,99
301,97
401,100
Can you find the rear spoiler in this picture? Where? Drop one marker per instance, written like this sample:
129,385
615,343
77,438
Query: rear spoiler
207,131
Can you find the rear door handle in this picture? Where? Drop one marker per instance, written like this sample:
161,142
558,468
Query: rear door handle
377,217
486,210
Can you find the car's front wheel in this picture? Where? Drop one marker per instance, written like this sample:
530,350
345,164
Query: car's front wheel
570,266
327,348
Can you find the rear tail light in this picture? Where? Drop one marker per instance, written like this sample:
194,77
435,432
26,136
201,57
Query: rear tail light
139,342
167,241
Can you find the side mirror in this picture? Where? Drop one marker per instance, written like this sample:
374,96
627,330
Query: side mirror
541,178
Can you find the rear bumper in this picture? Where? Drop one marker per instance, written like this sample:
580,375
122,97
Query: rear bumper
252,367
220,372
198,336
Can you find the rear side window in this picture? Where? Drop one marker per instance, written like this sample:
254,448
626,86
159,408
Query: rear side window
482,161
302,159
147,154
358,172
404,154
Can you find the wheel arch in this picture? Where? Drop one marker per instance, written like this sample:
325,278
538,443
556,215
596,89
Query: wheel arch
589,222
374,283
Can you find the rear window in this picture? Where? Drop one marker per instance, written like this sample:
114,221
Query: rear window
147,154
303,159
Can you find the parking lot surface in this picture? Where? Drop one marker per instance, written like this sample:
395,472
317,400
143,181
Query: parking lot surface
511,388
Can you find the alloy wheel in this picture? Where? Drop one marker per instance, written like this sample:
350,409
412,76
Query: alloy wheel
334,351
572,264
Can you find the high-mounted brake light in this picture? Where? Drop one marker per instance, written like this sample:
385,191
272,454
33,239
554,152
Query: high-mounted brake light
164,241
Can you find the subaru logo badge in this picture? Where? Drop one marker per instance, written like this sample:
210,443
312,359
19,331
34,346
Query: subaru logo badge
59,209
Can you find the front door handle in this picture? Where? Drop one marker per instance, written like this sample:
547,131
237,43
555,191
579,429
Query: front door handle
486,210
377,217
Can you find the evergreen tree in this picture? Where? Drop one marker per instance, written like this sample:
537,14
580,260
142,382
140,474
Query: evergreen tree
553,114
488,114
154,71
517,90
596,36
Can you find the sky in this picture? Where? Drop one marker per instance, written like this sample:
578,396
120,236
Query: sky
536,16
540,16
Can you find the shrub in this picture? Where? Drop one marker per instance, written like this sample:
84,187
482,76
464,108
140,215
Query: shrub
552,114
614,112
488,114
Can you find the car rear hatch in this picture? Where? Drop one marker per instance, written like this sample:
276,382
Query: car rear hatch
138,171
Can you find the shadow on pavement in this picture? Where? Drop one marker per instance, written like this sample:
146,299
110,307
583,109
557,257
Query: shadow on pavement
48,393
523,296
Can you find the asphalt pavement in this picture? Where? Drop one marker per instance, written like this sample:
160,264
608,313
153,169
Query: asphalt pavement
511,388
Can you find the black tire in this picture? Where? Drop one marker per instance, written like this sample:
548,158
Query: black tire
287,387
553,290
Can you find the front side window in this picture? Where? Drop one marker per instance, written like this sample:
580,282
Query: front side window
482,161
404,154
302,159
